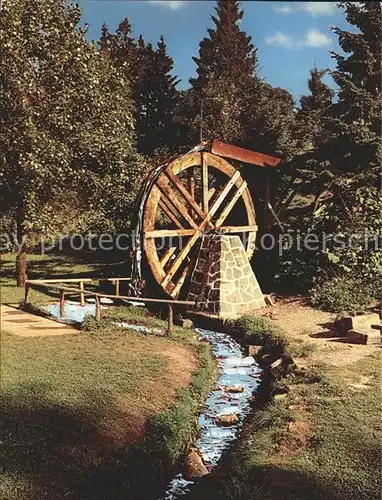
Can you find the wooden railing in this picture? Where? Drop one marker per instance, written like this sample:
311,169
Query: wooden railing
52,283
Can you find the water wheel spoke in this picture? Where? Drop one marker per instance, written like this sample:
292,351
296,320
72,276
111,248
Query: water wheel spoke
231,204
186,195
173,198
169,233
180,258
168,209
222,196
182,279
191,182
238,229
204,183
167,255
191,242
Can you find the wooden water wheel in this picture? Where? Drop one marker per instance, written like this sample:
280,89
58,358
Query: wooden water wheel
194,193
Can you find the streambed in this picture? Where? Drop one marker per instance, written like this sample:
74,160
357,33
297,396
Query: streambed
235,371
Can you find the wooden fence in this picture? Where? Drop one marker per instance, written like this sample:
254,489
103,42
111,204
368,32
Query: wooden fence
66,290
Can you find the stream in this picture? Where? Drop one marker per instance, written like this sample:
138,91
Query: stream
235,371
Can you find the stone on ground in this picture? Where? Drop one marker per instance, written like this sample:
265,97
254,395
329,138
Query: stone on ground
364,322
233,388
194,466
227,420
365,338
252,350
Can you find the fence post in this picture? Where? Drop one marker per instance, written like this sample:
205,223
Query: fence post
98,308
26,293
82,296
62,303
170,320
117,287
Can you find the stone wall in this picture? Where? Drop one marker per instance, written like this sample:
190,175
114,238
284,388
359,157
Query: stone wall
223,281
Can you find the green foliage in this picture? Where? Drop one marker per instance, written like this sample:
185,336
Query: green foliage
340,175
228,96
343,293
67,131
228,52
356,144
154,88
348,229
314,108
259,331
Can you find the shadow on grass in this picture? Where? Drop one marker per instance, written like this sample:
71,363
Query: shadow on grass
261,483
55,451
271,482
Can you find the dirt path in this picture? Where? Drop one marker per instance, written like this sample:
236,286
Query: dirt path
305,324
24,324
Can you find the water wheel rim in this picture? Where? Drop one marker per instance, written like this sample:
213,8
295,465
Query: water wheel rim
159,191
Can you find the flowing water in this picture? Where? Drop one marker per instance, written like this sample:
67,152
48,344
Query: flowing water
235,369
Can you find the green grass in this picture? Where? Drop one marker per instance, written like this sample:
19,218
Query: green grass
73,409
259,331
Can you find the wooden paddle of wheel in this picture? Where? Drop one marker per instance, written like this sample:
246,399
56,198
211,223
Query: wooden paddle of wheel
195,193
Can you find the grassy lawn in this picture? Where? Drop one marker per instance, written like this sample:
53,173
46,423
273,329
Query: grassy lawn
74,410
76,264
320,440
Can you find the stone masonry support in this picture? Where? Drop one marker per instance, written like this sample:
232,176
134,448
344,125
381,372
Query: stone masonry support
223,281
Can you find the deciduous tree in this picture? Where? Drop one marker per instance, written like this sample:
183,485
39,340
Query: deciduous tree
66,123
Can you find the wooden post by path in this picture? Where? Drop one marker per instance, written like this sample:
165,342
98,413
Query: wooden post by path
26,293
82,295
170,323
98,308
62,303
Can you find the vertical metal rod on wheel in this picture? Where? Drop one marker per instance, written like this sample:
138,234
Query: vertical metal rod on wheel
62,303
170,319
98,308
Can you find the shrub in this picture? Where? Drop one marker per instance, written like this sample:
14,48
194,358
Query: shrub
342,293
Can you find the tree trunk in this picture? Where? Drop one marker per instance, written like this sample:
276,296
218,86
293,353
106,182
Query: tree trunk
21,267
21,258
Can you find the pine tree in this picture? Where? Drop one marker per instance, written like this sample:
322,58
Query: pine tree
226,69
356,146
149,71
228,52
156,98
123,49
313,111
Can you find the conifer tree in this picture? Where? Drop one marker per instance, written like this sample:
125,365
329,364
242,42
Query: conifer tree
356,145
149,71
313,111
228,52
226,69
156,98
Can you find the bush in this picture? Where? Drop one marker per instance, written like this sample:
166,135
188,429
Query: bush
342,293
